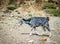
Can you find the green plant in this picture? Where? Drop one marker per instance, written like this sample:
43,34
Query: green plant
30,14
11,7
48,5
53,11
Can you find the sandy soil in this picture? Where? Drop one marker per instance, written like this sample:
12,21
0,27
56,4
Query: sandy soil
11,32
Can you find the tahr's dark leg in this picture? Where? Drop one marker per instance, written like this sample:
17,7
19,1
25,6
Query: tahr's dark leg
36,32
48,28
49,31
44,28
33,28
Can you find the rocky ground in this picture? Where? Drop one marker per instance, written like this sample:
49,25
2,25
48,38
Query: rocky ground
12,33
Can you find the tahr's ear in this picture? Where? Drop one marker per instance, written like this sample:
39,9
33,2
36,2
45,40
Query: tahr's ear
48,18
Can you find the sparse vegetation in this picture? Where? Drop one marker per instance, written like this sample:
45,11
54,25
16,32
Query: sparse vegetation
11,7
48,5
55,12
30,14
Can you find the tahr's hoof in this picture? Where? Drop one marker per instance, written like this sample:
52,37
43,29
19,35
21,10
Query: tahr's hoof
30,34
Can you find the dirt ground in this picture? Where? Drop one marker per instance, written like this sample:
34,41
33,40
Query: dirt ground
12,33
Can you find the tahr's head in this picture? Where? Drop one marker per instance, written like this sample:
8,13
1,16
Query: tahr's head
21,22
